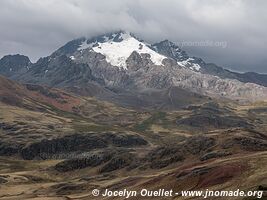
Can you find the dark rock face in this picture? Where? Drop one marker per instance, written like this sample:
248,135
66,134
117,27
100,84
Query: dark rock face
170,50
118,162
251,144
79,143
164,156
214,154
212,69
70,47
112,76
66,144
79,163
58,71
212,116
158,158
12,64
136,62
214,121
7,149
248,77
198,144
252,77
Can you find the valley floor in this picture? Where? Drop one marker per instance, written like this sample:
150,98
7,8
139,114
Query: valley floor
34,180
55,145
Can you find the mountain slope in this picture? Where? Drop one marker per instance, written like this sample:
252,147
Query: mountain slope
13,64
57,71
56,145
252,77
120,61
142,73
31,96
171,50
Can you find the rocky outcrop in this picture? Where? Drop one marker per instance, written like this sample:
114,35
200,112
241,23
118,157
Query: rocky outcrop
164,156
67,144
210,116
247,143
11,65
170,50
118,162
91,160
59,71
214,154
8,149
79,143
210,121
173,51
198,144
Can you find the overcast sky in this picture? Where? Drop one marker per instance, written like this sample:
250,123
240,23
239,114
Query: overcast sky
230,33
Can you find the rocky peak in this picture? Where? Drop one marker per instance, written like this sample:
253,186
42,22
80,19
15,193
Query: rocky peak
11,64
70,47
120,60
171,50
117,47
84,42
117,36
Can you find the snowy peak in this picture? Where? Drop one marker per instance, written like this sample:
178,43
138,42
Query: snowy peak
109,37
171,50
83,43
191,64
120,60
118,52
117,48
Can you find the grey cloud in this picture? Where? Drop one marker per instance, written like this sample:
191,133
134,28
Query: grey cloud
36,27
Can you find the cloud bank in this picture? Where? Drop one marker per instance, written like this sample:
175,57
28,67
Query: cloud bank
36,27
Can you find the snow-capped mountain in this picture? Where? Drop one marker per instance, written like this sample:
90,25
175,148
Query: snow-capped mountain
117,53
121,61
116,47
171,50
